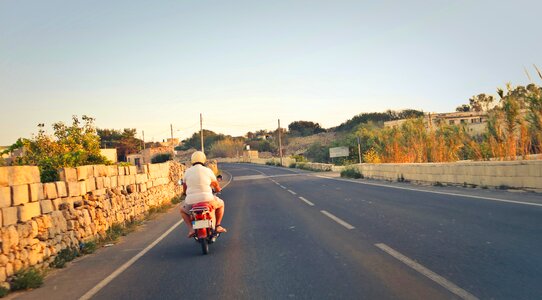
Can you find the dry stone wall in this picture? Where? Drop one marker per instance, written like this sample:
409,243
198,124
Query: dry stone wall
38,220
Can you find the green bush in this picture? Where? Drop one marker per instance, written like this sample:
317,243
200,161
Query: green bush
176,199
160,158
292,165
3,292
27,279
88,247
63,257
351,173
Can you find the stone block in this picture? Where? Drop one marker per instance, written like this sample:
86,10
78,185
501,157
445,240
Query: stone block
120,171
99,183
74,188
5,196
9,216
68,174
107,182
100,170
49,189
83,187
99,192
114,181
29,211
36,192
113,170
62,203
91,184
46,206
141,178
133,170
61,189
82,173
20,194
120,180
4,176
19,175
142,187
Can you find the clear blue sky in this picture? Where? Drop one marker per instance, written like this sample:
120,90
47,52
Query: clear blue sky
244,64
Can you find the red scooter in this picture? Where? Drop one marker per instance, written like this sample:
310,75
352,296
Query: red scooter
203,220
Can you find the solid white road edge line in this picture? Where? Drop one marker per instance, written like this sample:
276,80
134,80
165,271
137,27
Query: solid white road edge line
306,201
336,219
433,192
292,192
231,178
450,286
126,265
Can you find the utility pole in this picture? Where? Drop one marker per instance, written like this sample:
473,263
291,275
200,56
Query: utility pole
143,132
359,149
201,131
280,146
171,128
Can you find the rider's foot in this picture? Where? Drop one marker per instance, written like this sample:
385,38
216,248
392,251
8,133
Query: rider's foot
191,234
220,229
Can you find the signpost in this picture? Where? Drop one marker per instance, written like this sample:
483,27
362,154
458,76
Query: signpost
338,152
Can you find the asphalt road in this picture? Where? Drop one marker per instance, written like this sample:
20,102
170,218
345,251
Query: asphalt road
294,235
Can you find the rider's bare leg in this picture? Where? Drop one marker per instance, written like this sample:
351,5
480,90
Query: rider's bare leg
188,222
219,212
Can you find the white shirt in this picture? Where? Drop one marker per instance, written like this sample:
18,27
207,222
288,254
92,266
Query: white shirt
198,184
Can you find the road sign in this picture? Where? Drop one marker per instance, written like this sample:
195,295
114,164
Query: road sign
338,152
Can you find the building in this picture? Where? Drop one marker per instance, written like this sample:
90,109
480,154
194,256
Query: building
145,156
475,122
110,154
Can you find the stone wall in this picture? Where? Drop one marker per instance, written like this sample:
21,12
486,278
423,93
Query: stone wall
38,220
514,174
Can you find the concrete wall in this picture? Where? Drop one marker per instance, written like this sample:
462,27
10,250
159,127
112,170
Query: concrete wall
515,174
286,161
38,220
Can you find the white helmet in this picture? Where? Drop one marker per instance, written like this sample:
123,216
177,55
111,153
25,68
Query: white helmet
198,157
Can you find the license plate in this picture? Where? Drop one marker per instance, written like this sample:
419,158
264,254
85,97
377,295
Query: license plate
199,224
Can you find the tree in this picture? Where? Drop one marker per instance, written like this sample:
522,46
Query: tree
463,108
124,141
209,138
228,147
304,128
69,146
481,102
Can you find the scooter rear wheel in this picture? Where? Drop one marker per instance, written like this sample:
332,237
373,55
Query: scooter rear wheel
204,246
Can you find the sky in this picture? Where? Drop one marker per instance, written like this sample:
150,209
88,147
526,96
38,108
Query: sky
246,64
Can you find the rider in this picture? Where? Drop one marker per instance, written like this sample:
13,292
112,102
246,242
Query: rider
199,183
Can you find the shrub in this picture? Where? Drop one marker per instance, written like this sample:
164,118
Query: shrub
176,199
27,279
351,173
63,257
3,292
88,247
292,165
160,158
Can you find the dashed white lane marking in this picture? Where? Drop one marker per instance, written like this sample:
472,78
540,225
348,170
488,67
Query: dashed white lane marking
338,220
433,192
450,286
282,186
306,201
126,265
292,192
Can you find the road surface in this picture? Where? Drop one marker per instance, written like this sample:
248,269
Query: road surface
299,235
